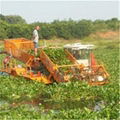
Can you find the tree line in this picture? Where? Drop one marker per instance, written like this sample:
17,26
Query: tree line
14,26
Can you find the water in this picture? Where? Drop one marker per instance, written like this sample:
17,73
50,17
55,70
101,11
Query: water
99,106
4,105
4,74
45,104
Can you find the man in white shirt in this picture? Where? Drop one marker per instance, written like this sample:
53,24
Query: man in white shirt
36,38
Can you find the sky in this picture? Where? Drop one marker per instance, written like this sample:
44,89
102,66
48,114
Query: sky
48,11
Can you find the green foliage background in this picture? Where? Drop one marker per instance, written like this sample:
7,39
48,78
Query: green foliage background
15,26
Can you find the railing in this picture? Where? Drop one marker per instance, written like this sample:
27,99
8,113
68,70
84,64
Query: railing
17,48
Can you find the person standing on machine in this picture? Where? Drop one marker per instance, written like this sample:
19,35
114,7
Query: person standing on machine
36,38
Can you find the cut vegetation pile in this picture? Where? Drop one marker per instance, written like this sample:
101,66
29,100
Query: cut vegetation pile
57,56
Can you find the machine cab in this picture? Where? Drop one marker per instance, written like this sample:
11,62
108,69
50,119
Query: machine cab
80,52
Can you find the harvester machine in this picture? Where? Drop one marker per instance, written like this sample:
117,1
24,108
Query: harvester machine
83,64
